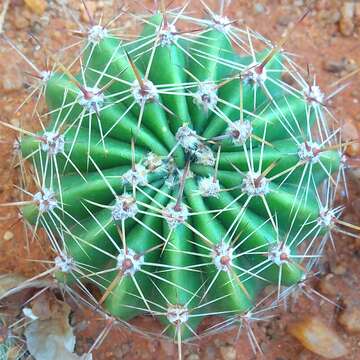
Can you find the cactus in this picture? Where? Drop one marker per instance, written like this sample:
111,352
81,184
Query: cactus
180,173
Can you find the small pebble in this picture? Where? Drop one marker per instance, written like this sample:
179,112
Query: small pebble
259,8
333,16
283,20
193,357
316,336
349,319
335,66
20,21
339,270
15,122
350,132
36,6
8,235
299,3
11,79
351,66
327,285
7,108
228,352
346,24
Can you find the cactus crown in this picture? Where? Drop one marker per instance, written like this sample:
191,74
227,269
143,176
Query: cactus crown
180,173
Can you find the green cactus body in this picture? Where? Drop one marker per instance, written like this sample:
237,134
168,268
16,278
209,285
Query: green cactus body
179,174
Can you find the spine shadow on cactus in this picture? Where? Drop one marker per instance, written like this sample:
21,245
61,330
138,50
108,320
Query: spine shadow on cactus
113,157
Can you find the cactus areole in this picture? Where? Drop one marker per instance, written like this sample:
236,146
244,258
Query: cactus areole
179,172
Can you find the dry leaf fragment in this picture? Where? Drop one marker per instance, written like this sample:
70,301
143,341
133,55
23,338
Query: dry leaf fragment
50,337
11,284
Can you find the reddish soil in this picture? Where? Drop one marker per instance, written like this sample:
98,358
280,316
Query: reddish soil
331,49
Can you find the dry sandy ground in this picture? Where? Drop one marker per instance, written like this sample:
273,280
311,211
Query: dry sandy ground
326,39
